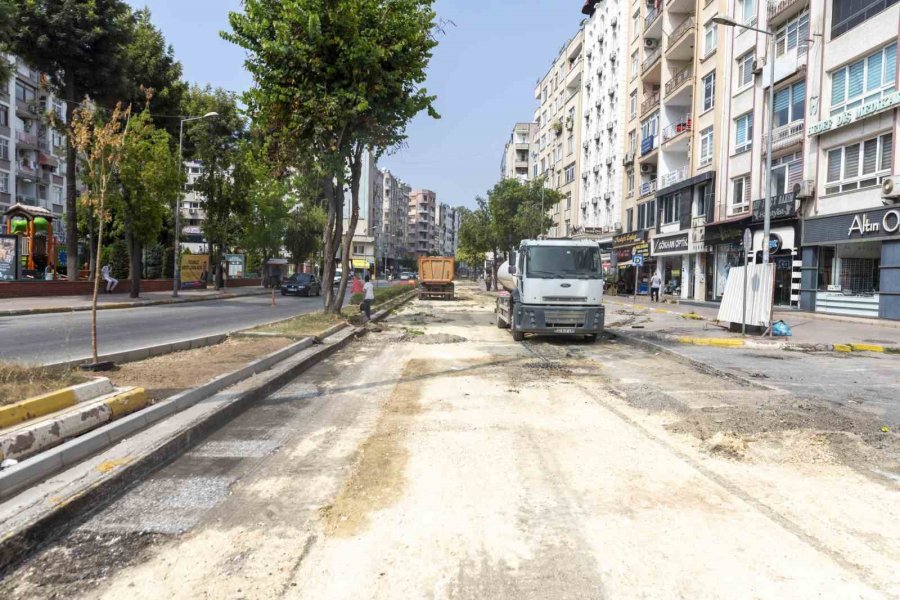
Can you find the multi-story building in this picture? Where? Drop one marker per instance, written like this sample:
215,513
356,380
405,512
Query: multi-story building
518,152
447,230
193,212
366,248
850,187
394,210
602,123
421,219
32,154
558,134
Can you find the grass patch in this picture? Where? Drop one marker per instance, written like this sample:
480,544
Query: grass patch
303,325
383,294
18,382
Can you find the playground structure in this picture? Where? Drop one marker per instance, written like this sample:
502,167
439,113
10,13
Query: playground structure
33,226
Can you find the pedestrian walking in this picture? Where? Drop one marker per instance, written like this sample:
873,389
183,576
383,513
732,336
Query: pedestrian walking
655,284
369,297
111,282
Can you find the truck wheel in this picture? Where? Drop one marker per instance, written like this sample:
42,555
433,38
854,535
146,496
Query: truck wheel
500,323
590,338
517,335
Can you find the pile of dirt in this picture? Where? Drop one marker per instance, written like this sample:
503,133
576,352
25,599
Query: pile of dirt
727,444
436,338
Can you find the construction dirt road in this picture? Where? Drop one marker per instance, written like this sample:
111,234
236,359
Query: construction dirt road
436,458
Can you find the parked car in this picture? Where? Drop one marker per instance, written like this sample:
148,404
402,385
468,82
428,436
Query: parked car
301,284
337,277
406,276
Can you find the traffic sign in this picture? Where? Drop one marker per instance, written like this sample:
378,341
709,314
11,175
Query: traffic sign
637,260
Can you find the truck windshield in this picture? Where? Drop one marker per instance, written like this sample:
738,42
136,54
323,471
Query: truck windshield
559,262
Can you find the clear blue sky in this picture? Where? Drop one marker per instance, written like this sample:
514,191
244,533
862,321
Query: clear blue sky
483,73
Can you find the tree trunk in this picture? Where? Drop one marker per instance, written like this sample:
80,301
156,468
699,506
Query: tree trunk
134,261
220,271
92,246
355,169
333,233
71,194
94,340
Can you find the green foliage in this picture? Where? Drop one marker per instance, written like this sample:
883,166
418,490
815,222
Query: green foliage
475,234
267,217
168,262
303,234
515,210
7,23
155,262
116,256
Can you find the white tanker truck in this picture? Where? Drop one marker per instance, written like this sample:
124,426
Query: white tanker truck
553,287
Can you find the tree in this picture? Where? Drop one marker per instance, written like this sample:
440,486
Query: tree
149,180
474,234
303,234
79,44
226,175
7,23
99,143
335,79
150,69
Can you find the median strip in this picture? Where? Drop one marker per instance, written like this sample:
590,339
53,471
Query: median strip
39,406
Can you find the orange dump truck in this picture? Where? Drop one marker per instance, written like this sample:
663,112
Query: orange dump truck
436,277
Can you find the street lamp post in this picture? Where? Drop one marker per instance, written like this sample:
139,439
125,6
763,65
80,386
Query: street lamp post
767,209
176,280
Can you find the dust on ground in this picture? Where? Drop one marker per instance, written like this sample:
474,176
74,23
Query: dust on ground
20,382
163,376
377,479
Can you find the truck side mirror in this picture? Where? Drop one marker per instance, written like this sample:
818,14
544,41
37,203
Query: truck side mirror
512,269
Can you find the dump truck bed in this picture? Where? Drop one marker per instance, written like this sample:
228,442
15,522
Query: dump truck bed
436,277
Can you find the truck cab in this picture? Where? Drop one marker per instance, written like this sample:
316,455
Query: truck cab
552,287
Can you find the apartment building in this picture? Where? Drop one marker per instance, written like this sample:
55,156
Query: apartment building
447,230
394,209
519,152
32,155
850,245
193,212
558,119
421,219
366,249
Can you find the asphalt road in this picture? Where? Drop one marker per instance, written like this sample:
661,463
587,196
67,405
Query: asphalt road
67,336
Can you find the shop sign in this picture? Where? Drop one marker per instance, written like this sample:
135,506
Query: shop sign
873,225
632,237
783,206
9,257
847,117
191,230
676,244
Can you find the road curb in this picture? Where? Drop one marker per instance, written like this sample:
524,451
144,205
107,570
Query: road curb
121,305
136,354
40,406
33,438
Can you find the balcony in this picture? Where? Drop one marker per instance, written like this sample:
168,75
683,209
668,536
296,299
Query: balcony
650,103
785,136
26,140
673,177
28,171
678,43
678,128
679,79
648,188
653,13
779,10
651,59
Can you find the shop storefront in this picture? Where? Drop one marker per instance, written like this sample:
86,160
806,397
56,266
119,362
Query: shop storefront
675,262
625,246
724,250
851,263
784,250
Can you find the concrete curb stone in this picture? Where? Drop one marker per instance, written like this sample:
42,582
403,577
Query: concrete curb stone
39,406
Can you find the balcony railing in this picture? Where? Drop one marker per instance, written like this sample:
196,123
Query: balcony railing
26,139
648,188
652,13
777,7
685,74
674,130
786,135
650,103
679,31
26,169
673,177
651,59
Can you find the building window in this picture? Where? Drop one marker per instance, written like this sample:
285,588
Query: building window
670,208
24,93
570,144
569,195
786,171
861,165
710,38
4,149
745,69
570,173
543,165
746,11
4,182
743,127
866,80
636,23
629,216
706,146
847,15
649,129
709,90
4,116
704,199
790,104
535,170
632,141
793,34
629,181
633,104
740,199
646,215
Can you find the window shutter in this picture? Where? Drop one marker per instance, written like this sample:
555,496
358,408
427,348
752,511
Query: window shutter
870,156
887,151
741,131
839,86
746,189
890,64
857,72
795,173
834,165
782,98
798,106
803,33
873,80
851,161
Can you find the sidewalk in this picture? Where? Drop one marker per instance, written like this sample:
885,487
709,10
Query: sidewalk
691,324
34,305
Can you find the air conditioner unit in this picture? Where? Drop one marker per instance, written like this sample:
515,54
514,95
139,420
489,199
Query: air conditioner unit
584,176
596,168
610,125
890,189
611,90
647,169
629,159
804,189
651,43
597,136
617,227
757,67
607,196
